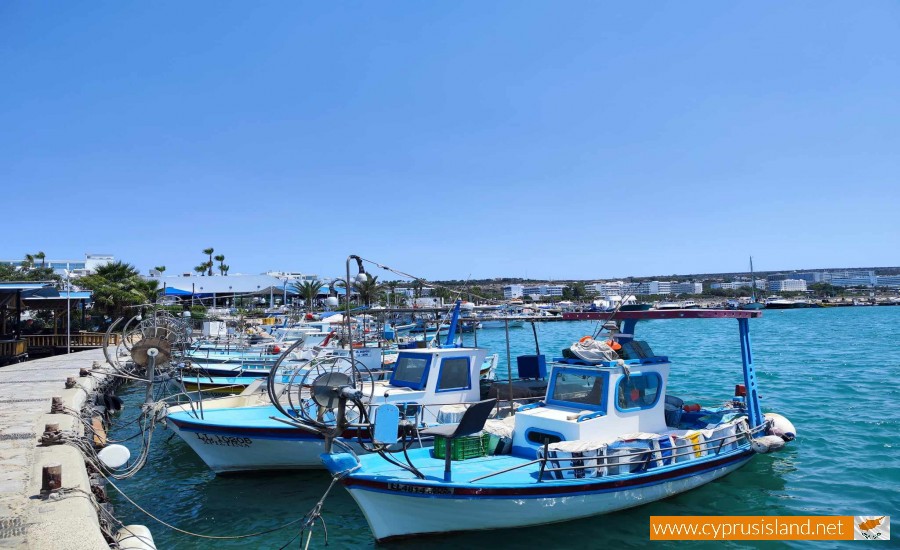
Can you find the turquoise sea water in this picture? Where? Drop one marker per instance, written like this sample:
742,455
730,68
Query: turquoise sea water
832,372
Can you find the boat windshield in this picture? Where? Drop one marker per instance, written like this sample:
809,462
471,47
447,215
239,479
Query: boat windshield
579,389
410,371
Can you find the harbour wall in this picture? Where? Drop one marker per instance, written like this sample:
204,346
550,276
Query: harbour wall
69,517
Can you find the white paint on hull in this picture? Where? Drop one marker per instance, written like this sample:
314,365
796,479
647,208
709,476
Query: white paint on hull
227,453
397,514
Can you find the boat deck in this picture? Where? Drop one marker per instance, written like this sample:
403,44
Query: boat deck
465,473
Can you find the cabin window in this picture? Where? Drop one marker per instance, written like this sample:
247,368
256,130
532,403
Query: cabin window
579,389
540,437
454,374
410,372
638,391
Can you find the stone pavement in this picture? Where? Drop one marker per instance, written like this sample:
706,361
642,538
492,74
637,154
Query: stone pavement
26,519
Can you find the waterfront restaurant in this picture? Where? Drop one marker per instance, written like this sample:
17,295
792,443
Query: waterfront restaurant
235,290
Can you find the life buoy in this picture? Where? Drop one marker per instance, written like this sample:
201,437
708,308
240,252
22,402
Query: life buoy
585,339
614,345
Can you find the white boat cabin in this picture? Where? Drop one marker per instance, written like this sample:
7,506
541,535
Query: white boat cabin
595,403
432,378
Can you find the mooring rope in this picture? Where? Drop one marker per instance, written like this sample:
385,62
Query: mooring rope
308,519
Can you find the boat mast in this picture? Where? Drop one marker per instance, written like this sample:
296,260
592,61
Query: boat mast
752,283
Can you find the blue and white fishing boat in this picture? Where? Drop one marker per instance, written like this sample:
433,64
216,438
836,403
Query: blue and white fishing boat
282,426
250,432
607,436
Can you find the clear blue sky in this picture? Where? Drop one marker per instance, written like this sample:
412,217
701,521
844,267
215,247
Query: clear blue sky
547,139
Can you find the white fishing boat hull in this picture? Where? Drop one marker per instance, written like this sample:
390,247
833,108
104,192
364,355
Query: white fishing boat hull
399,513
225,453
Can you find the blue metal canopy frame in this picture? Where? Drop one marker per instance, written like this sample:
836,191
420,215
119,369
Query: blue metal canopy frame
754,412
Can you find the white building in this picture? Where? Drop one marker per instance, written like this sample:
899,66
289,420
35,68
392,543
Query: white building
788,285
76,268
543,290
734,285
854,278
654,287
687,288
511,292
608,288
292,275
888,280
410,292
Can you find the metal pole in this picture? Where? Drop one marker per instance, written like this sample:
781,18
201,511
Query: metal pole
537,346
754,413
151,373
509,367
68,313
347,320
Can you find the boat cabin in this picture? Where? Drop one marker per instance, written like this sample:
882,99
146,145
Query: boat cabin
433,377
595,402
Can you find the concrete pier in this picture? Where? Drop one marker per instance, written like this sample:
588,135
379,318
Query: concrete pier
28,519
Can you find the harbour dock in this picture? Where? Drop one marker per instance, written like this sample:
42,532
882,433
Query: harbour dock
66,516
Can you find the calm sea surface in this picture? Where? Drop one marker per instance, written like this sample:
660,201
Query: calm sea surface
832,372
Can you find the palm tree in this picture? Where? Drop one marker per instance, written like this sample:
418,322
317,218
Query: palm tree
28,263
40,256
221,259
117,286
224,269
417,289
201,269
160,268
309,290
367,290
392,286
209,252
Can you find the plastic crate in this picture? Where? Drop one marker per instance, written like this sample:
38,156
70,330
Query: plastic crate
462,448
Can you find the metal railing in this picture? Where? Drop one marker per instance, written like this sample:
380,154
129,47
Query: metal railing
648,456
78,339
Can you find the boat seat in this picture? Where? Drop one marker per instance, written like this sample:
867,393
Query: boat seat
472,421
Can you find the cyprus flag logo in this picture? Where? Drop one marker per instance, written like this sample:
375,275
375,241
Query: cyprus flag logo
871,527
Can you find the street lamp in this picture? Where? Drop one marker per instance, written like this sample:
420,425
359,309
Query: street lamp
68,313
360,278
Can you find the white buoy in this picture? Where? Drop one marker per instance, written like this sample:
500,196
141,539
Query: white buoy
114,456
767,443
781,426
135,537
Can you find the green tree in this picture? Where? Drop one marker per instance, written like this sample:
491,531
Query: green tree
367,290
578,291
28,271
209,264
117,286
160,268
41,256
201,269
224,269
221,259
309,290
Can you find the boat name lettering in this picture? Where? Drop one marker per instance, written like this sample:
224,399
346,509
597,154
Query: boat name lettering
225,440
419,490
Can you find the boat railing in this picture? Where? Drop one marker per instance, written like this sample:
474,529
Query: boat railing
649,456
419,409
